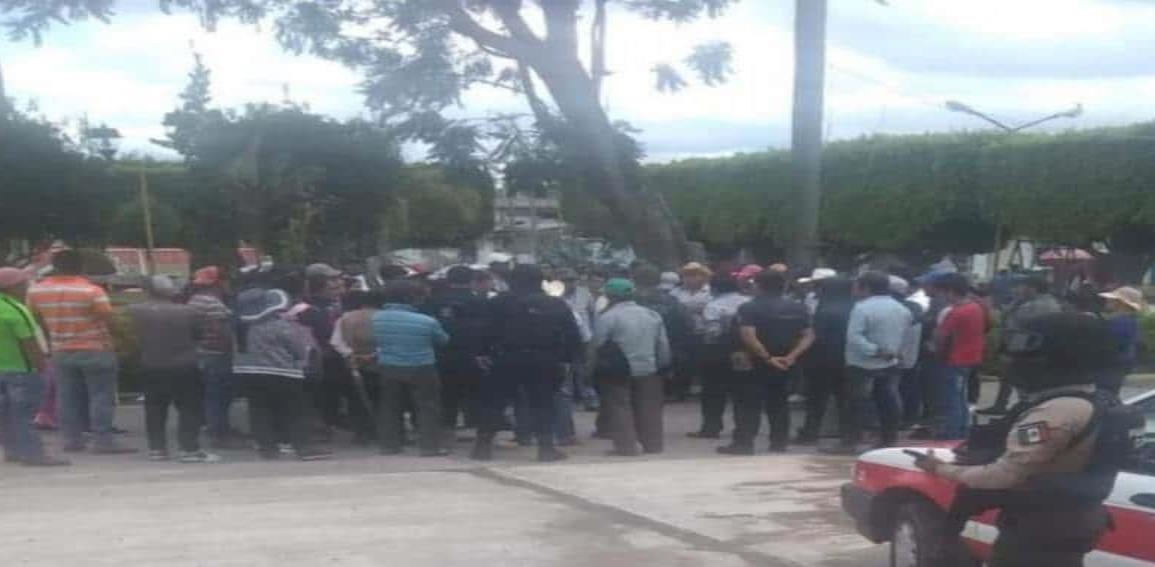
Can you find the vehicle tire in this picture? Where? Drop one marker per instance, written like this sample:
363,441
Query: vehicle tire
918,538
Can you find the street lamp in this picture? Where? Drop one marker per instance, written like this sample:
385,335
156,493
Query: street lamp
956,106
963,108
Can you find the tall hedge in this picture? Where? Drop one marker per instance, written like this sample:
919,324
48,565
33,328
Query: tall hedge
933,192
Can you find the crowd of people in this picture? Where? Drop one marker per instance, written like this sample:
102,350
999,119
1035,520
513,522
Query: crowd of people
517,348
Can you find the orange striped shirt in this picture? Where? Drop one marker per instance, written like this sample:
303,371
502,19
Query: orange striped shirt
71,307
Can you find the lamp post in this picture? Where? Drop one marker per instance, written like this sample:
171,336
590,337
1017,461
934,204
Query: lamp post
956,106
963,108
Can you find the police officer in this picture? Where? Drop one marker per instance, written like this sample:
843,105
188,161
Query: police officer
529,336
462,314
1046,480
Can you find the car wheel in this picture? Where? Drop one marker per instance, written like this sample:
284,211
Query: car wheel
918,540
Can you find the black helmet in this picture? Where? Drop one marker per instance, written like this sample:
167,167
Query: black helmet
1059,349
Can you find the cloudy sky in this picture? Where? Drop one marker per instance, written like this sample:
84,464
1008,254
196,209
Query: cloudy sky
890,70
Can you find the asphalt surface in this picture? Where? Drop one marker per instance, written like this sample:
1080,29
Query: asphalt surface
686,507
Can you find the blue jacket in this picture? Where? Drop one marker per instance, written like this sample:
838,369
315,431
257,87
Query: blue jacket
406,337
878,324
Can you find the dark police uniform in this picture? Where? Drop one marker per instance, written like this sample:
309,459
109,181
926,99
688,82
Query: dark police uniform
1041,526
529,336
461,313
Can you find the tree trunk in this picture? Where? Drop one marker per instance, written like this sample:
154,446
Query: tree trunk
809,75
611,175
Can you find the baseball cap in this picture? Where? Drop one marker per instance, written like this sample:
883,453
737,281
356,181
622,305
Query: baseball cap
322,270
898,285
748,271
669,281
619,287
162,286
206,276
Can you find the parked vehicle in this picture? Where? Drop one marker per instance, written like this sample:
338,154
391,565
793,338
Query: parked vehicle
893,501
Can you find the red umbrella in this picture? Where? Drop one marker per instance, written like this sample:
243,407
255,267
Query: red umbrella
1065,254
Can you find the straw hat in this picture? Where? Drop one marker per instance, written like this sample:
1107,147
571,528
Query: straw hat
1129,296
696,268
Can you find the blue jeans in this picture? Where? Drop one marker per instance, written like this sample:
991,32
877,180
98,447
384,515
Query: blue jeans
76,371
910,388
952,413
20,394
563,406
217,374
584,385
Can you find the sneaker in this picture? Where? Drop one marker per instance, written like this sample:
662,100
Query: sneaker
550,455
114,450
286,449
313,454
46,461
157,456
921,434
617,453
704,435
779,449
735,450
198,457
482,451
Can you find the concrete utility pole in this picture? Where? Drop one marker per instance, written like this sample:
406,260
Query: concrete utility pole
806,146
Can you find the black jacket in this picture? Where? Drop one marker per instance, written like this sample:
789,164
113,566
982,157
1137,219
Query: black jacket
533,322
462,315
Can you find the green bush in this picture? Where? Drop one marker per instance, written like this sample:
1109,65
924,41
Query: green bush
1147,339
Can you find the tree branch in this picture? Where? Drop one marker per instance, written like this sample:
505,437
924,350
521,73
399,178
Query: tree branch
509,12
461,22
540,109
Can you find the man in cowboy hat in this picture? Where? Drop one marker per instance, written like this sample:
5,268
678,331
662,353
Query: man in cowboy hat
1124,306
21,365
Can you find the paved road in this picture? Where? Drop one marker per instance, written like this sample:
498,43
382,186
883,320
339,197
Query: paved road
687,507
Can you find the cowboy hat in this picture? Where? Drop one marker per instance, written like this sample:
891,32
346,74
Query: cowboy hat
1129,296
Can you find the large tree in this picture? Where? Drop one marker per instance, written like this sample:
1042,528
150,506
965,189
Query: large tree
419,56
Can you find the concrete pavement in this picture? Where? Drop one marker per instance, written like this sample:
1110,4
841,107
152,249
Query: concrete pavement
686,507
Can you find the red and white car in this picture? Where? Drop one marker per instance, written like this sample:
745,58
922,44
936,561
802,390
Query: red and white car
892,501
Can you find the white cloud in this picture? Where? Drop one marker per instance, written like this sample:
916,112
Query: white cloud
890,69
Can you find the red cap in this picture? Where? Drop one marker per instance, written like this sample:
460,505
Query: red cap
748,271
207,276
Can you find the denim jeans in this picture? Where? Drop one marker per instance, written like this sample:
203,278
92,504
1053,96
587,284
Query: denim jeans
95,371
217,375
584,389
951,415
910,389
20,394
871,386
563,402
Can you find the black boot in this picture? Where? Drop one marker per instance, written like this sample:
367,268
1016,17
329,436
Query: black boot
482,448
